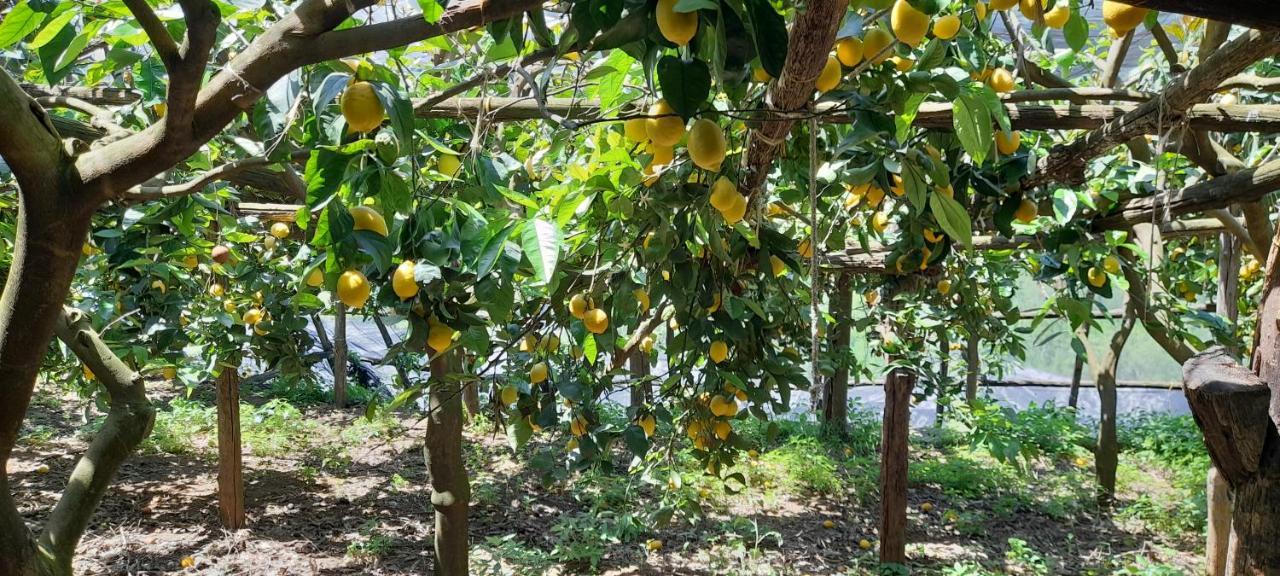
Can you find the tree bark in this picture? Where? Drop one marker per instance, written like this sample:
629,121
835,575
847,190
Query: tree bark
973,369
340,355
1107,451
230,451
450,489
835,413
640,387
895,432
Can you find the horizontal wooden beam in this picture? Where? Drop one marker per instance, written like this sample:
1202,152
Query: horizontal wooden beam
1261,14
1243,186
92,95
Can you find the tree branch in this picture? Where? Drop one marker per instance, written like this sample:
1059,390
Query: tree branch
160,38
28,142
1260,14
98,116
128,423
144,192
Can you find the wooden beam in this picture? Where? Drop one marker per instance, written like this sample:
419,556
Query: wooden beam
1243,186
230,456
894,455
96,96
1261,14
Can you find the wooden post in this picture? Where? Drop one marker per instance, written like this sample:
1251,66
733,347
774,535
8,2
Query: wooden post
973,368
640,389
893,466
1218,495
836,403
450,489
230,475
944,373
340,355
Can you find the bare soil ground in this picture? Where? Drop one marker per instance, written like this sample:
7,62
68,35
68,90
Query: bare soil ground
336,508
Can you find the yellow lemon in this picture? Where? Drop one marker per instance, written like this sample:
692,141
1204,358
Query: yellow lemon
1058,16
759,74
874,42
538,373
676,27
440,336
947,27
723,430
578,306
315,278
642,298
706,144
1003,4
169,372
664,126
829,78
190,261
353,288
578,426
926,507
1111,264
509,395
596,320
1122,18
908,24
871,297
361,107
880,222
216,290
403,282
779,267
648,423
1008,142
1030,8
864,544
1026,212
229,306
828,524
734,213
366,218
280,230
902,64
1001,80
849,51
1097,277
719,351
944,287
159,285
635,131
980,10
653,545
646,344
805,249
252,316
449,165
723,194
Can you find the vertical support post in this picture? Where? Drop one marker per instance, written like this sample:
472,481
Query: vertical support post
1219,499
893,465
973,368
639,365
944,373
450,489
230,474
836,404
340,355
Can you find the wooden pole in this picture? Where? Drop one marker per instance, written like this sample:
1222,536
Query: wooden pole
230,474
340,355
973,368
640,389
836,403
893,466
1218,494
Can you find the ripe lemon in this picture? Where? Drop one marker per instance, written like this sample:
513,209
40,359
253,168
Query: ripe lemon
759,74
596,320
908,24
646,344
944,287
190,261
879,222
648,423
721,406
1008,142
1001,80
538,373
926,507
368,219
529,343
706,144
578,306
897,187
947,27
1122,18
779,267
169,372
216,290
280,230
805,249
252,316
1058,16
1097,277
1026,212
353,288
635,131
403,282
980,10
828,524
719,351
736,210
864,544
642,298
902,64
676,27
269,243
578,426
1003,4
661,155
849,51
873,43
361,107
1111,264
871,297
830,76
1029,8
723,430
723,194
449,165
653,545
664,126
509,395
440,336
315,278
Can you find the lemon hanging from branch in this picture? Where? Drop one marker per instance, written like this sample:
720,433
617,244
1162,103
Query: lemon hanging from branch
909,24
707,145
361,107
366,218
353,288
664,126
676,27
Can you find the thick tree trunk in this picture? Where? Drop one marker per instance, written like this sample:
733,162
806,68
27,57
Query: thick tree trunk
1107,451
895,431
450,489
835,413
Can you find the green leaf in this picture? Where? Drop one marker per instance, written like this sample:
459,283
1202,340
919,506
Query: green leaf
541,241
972,123
589,349
324,175
685,85
19,22
492,249
1076,31
519,432
903,121
694,5
769,31
52,30
432,11
953,218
